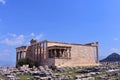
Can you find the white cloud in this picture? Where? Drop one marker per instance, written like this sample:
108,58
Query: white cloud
38,37
115,49
16,40
32,34
2,1
116,39
11,34
13,40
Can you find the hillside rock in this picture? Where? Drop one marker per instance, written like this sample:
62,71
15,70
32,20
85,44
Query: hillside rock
114,57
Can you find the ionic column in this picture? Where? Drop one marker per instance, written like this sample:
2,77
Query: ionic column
34,52
69,53
40,53
17,57
97,54
37,53
20,55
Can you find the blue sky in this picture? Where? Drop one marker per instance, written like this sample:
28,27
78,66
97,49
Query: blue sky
76,21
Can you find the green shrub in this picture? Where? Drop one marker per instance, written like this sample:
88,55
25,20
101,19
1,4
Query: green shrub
27,61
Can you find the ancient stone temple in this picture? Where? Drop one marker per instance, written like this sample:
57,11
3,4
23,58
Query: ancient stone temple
60,54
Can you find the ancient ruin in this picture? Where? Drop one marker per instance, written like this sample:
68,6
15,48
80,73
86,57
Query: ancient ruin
60,54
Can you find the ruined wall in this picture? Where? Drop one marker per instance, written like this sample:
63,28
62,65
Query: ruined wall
21,52
29,53
80,56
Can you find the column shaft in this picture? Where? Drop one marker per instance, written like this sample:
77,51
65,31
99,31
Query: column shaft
97,54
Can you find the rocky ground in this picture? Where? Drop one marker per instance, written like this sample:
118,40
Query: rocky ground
107,71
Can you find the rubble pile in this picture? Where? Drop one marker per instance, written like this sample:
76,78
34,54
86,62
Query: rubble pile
103,72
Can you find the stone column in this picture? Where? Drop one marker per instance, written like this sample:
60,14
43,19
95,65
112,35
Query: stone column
66,53
37,51
49,53
97,54
69,53
55,53
17,56
20,55
43,54
34,52
40,52
60,52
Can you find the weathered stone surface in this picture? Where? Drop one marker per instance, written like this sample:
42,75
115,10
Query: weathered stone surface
60,54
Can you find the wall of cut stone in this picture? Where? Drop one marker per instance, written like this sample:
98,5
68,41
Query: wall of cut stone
80,56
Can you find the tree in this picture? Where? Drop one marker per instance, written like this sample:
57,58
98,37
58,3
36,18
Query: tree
26,61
